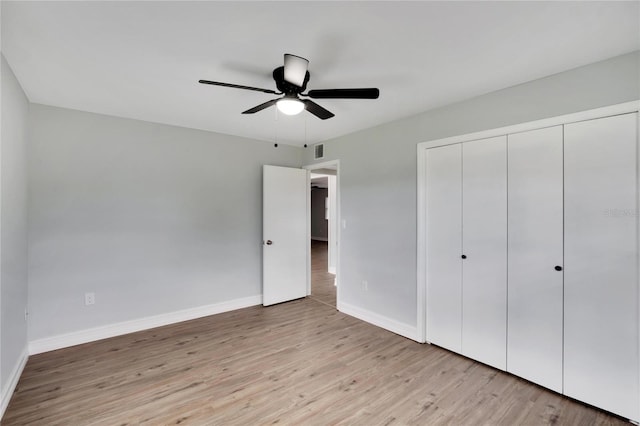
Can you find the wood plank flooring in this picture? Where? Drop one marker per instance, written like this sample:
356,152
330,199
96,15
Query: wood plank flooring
297,363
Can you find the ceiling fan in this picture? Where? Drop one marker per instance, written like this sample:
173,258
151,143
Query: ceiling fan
291,80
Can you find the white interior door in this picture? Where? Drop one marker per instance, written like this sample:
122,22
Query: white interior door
484,245
601,263
534,348
444,246
285,234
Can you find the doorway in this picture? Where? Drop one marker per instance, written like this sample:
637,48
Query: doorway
323,224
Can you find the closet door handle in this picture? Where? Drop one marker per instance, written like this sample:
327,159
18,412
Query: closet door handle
464,256
558,268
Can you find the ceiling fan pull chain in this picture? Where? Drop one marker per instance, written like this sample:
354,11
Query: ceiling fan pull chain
276,145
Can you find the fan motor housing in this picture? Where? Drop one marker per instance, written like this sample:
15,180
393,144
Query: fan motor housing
286,87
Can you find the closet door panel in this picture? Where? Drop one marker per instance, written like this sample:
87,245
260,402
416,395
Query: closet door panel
484,243
601,255
534,342
444,241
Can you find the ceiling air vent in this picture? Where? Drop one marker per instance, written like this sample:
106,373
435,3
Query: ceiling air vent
318,151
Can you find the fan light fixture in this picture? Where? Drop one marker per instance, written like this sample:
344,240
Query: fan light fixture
290,106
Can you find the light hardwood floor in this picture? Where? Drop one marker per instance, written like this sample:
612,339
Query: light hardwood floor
297,363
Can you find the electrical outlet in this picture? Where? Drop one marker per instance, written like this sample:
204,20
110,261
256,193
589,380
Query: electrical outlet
365,285
89,299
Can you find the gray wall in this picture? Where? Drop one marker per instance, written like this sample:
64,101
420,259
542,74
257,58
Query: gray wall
152,218
378,173
13,226
319,225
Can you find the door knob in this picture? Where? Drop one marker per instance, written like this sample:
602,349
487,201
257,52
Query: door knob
269,242
464,256
558,268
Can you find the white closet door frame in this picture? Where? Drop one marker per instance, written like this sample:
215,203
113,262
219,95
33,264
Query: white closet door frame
622,108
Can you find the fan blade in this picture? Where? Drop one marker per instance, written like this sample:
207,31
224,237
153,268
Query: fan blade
317,110
261,107
237,86
295,69
368,93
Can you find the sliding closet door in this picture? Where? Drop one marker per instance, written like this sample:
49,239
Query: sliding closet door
484,245
534,342
444,241
601,264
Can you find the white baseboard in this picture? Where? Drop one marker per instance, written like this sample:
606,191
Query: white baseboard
10,387
319,239
331,270
118,329
405,330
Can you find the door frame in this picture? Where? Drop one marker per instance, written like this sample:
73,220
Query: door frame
311,168
421,284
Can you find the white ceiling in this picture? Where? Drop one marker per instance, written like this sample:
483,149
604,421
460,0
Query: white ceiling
142,60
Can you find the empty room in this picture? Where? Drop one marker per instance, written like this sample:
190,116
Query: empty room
319,213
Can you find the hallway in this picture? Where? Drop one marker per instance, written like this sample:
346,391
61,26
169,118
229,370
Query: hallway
323,289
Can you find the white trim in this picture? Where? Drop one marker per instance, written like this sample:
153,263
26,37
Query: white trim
421,284
635,421
308,225
118,329
389,324
319,238
2,391
323,165
421,291
10,387
538,124
331,270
